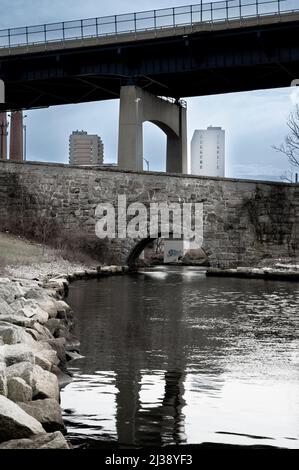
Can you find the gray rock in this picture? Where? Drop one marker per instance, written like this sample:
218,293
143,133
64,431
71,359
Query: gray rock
42,330
49,305
63,379
47,355
15,423
24,370
47,412
2,354
45,384
32,310
18,319
53,324
10,291
45,441
18,390
58,345
36,293
18,353
3,379
43,362
62,306
5,309
13,334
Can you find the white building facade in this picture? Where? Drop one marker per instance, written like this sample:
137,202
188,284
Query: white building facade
85,149
208,152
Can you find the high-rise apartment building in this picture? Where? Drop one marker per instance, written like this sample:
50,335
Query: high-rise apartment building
85,149
208,152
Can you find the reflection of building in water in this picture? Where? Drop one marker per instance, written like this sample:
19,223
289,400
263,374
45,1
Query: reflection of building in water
143,339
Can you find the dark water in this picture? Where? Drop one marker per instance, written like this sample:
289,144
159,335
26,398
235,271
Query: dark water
173,357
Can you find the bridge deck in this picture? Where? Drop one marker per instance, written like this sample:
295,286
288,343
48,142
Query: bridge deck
149,34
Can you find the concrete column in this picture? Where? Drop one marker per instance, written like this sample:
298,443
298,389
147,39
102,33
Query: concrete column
138,106
130,142
3,136
16,136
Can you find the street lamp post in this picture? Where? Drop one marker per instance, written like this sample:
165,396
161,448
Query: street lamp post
25,139
147,162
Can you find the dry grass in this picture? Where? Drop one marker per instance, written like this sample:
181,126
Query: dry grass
15,251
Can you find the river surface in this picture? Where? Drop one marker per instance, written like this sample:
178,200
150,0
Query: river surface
173,357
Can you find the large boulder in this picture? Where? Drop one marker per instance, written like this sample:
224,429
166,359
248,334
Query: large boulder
46,358
2,353
19,390
31,309
44,441
13,334
5,309
63,378
42,330
39,332
49,305
16,353
58,345
47,412
15,423
53,325
18,319
3,379
24,370
10,291
45,384
60,285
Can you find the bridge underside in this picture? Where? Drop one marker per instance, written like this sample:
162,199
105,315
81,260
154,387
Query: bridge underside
194,64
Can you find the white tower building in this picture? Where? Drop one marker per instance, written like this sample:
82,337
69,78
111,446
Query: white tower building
208,152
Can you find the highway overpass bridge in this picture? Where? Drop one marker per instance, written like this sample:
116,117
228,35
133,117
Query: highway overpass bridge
207,48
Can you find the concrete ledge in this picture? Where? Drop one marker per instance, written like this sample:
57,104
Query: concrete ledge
255,273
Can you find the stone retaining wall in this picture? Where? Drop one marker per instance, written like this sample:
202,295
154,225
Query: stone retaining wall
244,221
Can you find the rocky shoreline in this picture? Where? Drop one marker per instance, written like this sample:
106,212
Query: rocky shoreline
36,342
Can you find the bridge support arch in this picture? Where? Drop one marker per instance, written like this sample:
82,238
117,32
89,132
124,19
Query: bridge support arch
138,106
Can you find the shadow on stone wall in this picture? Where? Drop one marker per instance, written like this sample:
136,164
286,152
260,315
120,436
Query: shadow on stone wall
273,217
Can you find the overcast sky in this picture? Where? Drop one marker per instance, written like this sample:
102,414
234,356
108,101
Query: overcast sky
253,121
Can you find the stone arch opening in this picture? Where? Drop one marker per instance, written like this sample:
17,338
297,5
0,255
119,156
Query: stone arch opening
191,256
173,152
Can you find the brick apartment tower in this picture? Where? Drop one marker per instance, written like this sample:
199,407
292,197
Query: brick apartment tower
16,150
3,136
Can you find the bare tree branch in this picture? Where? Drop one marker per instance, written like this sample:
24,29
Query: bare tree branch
290,147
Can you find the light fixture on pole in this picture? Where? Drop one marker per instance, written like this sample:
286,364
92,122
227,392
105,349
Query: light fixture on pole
147,162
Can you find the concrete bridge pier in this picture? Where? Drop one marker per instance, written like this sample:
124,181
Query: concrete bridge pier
3,136
138,106
16,151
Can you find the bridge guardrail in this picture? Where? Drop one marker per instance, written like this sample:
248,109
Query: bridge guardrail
153,20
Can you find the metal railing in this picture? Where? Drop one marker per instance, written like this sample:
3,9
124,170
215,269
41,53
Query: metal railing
154,20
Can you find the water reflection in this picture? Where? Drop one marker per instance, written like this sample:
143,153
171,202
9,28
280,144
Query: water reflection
178,358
